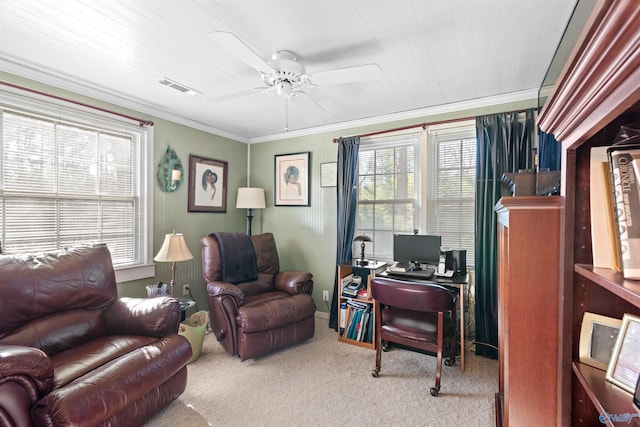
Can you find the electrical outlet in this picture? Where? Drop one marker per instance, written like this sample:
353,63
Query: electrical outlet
325,295
185,290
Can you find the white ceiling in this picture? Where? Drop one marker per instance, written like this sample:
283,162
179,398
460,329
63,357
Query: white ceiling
431,53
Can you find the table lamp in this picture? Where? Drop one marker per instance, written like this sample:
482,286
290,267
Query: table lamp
362,239
250,198
174,249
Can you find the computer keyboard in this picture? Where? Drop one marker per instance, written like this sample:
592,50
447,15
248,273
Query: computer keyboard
424,273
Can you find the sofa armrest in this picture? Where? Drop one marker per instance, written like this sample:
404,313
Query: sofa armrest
154,317
294,282
26,375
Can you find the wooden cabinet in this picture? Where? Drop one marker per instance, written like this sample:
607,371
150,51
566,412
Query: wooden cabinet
344,270
597,92
528,273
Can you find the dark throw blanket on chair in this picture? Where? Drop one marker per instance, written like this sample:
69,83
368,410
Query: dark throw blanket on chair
237,256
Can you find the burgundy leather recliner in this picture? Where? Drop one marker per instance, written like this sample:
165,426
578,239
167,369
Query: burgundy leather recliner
72,353
254,308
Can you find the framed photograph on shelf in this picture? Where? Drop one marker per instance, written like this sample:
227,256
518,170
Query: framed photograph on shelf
624,366
291,180
207,184
598,336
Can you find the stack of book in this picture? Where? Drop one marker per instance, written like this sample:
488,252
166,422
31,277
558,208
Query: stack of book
359,322
351,285
615,204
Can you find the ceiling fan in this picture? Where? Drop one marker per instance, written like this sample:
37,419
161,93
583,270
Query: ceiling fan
284,74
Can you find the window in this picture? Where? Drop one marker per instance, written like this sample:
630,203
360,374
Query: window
72,177
387,191
421,181
451,188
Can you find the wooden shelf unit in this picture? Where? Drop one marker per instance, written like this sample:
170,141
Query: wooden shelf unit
344,270
528,273
597,92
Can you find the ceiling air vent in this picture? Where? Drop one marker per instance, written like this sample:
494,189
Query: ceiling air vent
178,86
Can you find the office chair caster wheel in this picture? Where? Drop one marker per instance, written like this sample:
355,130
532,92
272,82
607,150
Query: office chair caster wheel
375,373
386,347
434,391
449,362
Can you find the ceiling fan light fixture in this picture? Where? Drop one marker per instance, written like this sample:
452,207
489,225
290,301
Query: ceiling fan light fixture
284,88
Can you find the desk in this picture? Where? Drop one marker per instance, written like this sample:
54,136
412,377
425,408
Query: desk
457,283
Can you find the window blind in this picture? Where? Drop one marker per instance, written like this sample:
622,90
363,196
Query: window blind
66,182
388,188
450,192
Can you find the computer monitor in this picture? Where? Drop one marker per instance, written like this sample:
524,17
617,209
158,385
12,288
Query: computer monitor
417,249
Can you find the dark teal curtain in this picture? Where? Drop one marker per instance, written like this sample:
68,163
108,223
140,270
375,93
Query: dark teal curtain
347,205
505,144
549,152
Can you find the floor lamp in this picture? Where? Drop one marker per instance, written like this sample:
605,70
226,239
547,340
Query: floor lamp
174,249
250,198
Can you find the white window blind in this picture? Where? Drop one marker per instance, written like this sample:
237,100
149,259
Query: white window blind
70,179
388,188
451,188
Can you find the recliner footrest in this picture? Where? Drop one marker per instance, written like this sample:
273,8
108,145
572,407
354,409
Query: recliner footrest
276,313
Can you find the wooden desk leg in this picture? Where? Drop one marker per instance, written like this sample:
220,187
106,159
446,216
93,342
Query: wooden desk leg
461,299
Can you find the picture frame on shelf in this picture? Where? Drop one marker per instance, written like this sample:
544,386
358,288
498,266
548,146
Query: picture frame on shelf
624,366
292,179
207,184
598,336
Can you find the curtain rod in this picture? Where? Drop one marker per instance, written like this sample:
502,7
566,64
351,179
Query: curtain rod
142,122
422,125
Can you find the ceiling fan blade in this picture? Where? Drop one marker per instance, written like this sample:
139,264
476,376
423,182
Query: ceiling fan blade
306,95
346,75
236,47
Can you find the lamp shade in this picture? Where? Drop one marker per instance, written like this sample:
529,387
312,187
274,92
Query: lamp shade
174,249
250,198
362,238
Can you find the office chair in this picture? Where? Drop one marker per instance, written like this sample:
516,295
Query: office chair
416,315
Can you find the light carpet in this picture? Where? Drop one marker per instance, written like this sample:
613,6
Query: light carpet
322,382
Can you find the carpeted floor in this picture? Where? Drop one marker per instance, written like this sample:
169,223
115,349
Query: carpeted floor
323,382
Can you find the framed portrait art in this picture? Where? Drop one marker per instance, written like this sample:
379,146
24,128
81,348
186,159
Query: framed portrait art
291,180
207,184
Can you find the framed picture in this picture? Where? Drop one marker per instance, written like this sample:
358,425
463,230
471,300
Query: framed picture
207,184
624,366
598,336
328,174
291,180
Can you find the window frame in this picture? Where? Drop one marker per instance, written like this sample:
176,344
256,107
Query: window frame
423,165
53,108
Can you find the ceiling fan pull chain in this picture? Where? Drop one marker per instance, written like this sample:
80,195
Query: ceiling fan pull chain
286,114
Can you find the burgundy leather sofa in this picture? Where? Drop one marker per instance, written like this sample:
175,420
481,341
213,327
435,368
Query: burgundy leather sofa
72,353
254,308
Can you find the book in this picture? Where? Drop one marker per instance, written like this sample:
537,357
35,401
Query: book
604,236
627,201
612,225
361,326
353,327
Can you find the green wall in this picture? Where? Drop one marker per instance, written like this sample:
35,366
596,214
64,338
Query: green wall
305,236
